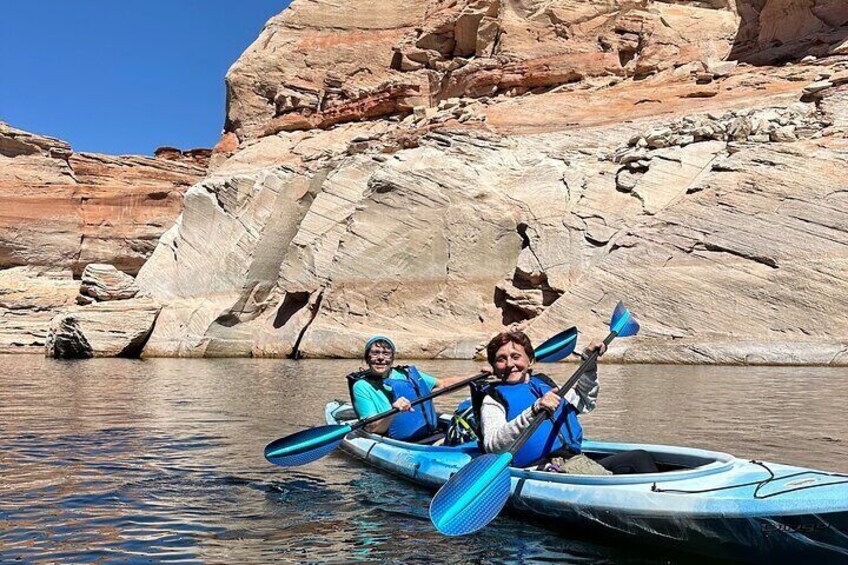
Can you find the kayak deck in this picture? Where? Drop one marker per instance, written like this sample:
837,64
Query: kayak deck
703,501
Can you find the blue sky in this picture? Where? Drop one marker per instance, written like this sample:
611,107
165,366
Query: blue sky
123,76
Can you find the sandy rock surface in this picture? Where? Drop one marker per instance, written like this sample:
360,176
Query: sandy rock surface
441,171
29,298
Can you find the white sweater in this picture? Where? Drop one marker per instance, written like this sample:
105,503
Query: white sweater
498,434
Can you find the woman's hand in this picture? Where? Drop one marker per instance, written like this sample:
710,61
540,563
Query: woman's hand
403,405
549,403
595,344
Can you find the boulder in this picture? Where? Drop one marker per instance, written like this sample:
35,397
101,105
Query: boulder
105,329
784,133
105,282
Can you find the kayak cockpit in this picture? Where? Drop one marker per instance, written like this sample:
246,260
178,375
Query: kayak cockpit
675,463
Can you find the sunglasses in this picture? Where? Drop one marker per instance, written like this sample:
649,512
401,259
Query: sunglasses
379,354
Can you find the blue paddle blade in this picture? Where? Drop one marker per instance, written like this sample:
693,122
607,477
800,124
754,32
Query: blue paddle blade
473,497
558,347
305,446
622,322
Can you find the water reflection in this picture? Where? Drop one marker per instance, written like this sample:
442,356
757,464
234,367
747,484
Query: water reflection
122,460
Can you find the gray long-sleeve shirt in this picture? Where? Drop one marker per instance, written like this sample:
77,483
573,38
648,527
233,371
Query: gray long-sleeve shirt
498,434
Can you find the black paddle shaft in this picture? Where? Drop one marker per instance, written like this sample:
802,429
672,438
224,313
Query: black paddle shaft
430,396
563,390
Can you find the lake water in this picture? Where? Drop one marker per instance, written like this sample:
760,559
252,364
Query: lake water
159,460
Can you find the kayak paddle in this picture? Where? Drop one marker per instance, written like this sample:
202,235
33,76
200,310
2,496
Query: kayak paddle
475,495
306,446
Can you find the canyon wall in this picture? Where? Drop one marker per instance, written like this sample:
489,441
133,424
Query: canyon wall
61,210
439,170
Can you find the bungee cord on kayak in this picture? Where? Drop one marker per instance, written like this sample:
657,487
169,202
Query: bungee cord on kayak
763,483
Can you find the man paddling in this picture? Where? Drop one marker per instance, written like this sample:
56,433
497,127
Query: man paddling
382,387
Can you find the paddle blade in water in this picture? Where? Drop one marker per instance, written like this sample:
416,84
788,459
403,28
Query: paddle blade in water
622,322
473,497
305,446
558,347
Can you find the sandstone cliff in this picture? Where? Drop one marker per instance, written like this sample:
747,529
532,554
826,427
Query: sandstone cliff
436,170
322,63
61,210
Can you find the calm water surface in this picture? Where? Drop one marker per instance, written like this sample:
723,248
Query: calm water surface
161,460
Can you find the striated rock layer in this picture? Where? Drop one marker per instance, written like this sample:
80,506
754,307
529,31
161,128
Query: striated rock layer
29,298
61,210
105,282
437,171
65,209
322,63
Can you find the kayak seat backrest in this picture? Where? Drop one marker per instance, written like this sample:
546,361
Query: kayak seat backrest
346,414
351,380
479,390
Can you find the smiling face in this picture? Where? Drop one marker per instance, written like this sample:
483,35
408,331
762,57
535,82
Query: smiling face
511,363
379,358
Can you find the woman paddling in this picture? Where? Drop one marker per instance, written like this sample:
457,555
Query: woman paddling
382,387
509,405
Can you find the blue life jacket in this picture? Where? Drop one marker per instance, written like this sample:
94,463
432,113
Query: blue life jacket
405,426
562,430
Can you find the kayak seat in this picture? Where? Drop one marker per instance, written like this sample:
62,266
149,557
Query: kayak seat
345,413
430,440
478,392
663,464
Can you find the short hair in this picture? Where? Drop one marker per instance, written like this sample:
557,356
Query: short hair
503,338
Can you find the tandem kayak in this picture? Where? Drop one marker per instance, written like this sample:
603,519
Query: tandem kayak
704,502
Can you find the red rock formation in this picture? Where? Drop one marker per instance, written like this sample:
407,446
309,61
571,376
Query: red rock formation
64,209
437,169
364,60
199,157
773,31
